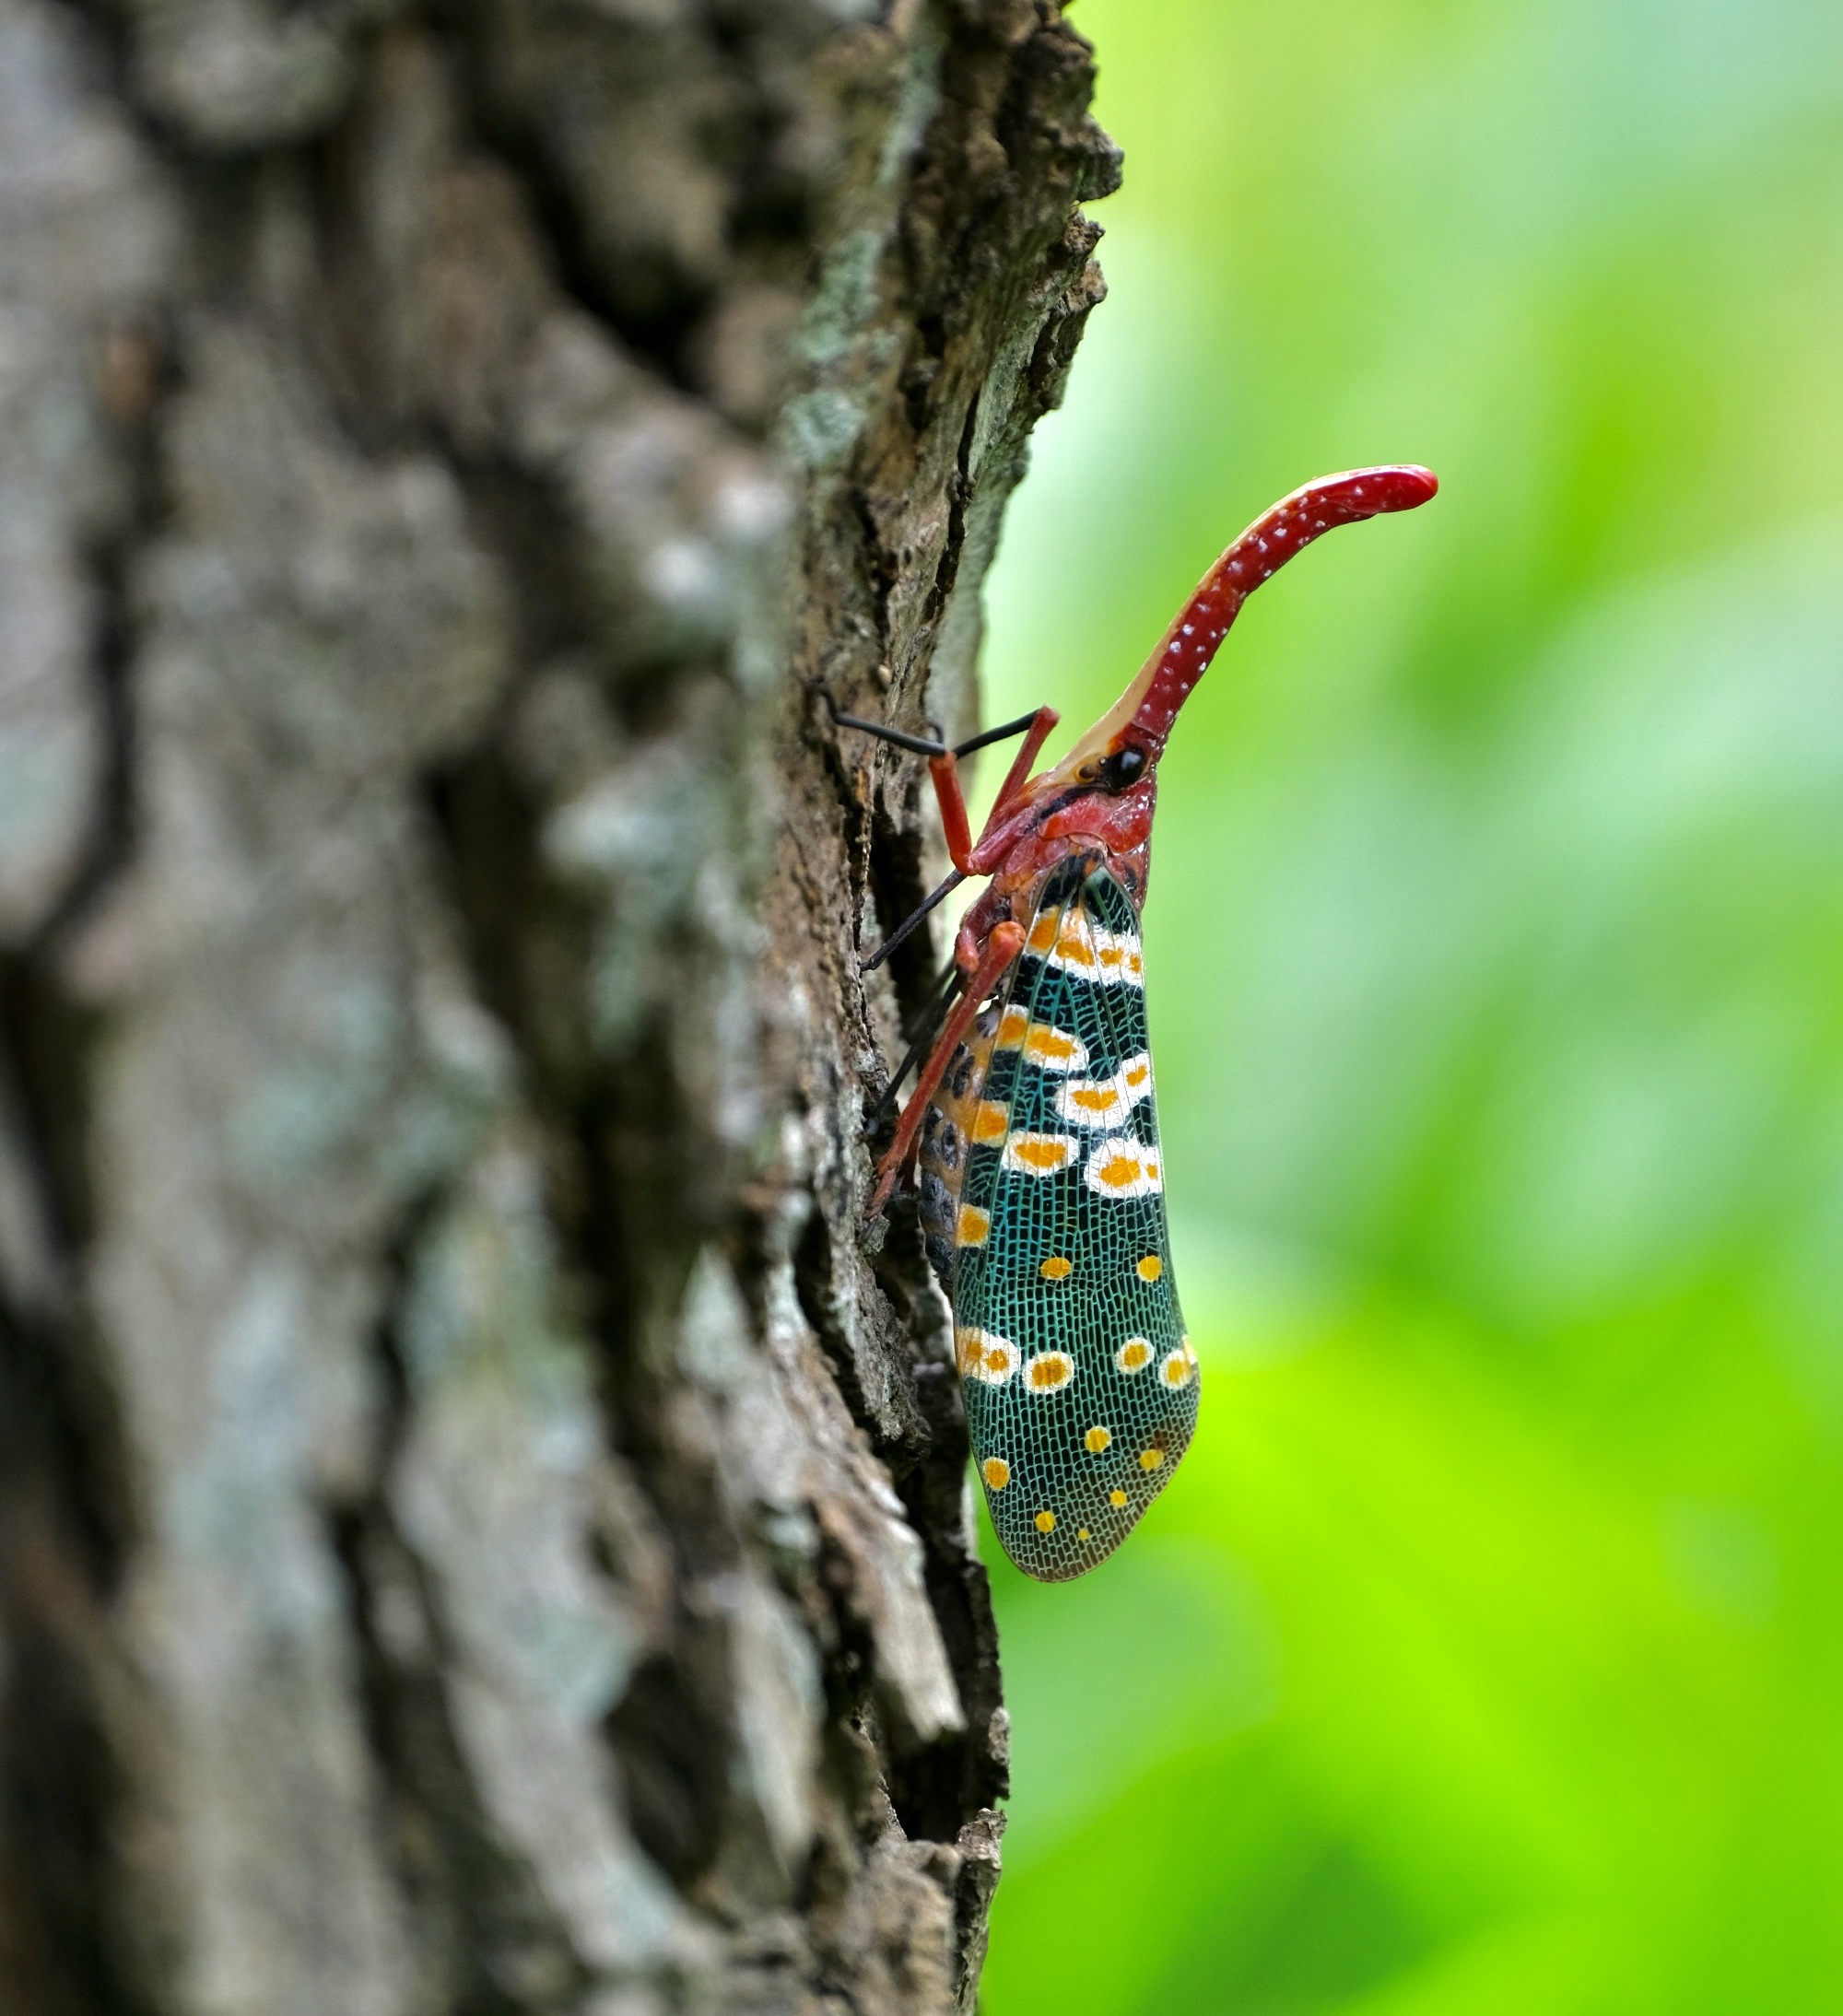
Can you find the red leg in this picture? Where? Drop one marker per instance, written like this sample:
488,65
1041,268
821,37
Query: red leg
945,773
1005,942
1036,736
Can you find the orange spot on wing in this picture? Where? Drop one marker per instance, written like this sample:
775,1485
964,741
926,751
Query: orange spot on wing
983,1356
1045,1522
1042,932
1150,1268
1116,1499
1151,1458
1121,1168
972,1228
1049,1371
996,1473
989,1120
1097,1439
1056,1268
1011,1027
1045,1045
1040,1154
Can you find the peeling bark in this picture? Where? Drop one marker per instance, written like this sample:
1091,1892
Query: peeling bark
482,1529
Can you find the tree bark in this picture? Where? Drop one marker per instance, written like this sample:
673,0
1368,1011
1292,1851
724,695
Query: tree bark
482,1527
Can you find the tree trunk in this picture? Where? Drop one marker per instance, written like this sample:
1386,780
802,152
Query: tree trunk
482,1529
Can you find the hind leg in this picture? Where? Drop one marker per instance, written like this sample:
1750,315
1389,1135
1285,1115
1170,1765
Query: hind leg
1005,942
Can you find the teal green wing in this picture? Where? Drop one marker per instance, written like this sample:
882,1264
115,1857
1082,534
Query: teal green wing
1080,1383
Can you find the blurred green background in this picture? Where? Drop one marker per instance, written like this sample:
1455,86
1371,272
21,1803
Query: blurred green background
1486,1653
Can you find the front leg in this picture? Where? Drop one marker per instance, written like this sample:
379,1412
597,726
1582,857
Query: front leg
945,771
944,768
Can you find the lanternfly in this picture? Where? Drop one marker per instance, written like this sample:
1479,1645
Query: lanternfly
1032,1131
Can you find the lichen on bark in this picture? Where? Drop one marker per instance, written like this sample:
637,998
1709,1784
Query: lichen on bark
481,1526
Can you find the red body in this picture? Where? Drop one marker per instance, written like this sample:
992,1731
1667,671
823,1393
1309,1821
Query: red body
1098,800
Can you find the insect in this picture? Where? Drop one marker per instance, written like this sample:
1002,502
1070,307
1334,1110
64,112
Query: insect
1033,1121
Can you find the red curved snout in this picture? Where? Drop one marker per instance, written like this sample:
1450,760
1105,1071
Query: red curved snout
1367,493
1184,653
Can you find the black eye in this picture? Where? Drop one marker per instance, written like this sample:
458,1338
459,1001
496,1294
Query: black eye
1123,767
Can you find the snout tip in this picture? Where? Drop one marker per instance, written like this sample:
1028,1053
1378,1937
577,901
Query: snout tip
1404,486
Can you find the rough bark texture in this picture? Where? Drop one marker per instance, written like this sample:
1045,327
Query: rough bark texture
481,1529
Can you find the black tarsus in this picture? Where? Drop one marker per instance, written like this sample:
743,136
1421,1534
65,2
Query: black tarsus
923,744
910,922
920,743
927,1027
996,734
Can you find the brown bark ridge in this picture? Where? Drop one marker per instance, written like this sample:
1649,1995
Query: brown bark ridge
482,1529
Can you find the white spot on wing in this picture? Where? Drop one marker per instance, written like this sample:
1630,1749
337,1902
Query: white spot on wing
1119,1166
1038,1155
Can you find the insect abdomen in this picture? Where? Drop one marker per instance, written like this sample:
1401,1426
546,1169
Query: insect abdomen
947,1142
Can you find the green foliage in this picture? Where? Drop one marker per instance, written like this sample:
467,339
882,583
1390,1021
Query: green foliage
1485,1655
